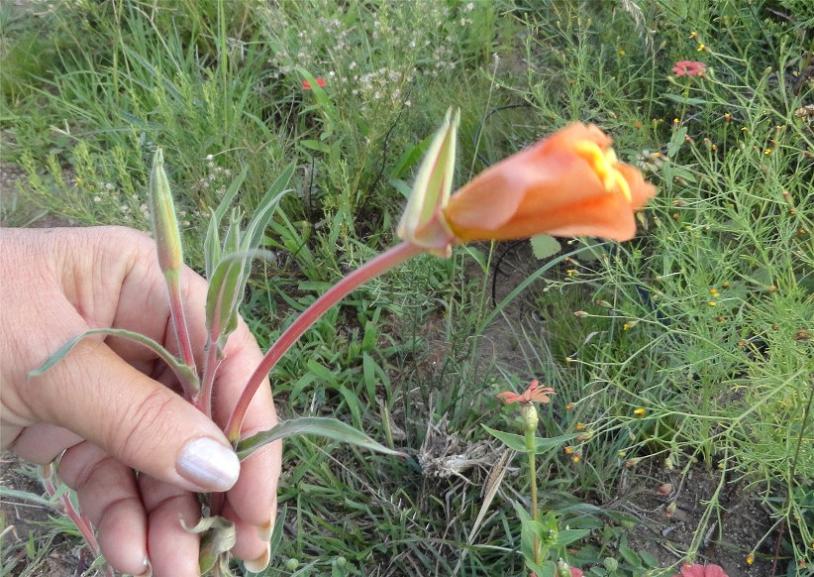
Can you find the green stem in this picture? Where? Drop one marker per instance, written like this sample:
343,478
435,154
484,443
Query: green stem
531,447
370,270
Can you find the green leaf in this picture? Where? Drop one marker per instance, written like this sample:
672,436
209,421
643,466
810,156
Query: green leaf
544,246
226,291
402,187
320,426
211,245
518,442
182,371
212,241
265,210
676,141
409,158
567,536
680,99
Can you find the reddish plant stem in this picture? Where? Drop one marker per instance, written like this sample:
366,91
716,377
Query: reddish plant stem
179,323
210,368
370,270
80,521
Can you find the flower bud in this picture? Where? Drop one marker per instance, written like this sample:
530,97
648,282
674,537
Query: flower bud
529,414
165,225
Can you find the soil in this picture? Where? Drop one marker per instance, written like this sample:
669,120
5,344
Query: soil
665,536
23,520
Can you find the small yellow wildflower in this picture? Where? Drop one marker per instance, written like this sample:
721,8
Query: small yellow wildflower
629,325
570,407
693,35
639,412
713,292
571,272
712,303
728,117
701,47
750,558
579,427
576,458
569,450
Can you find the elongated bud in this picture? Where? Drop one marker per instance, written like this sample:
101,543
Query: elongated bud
165,225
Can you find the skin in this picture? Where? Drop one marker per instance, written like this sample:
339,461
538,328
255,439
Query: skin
110,409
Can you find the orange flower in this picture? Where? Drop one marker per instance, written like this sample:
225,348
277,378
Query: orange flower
533,394
569,184
321,82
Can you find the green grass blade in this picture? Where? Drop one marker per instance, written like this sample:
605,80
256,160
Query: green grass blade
320,426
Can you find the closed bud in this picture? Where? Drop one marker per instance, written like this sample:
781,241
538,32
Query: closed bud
165,225
611,564
530,419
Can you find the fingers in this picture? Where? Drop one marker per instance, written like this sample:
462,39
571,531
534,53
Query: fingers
252,501
109,497
173,549
42,443
101,398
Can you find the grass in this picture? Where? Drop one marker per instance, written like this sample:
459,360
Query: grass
704,321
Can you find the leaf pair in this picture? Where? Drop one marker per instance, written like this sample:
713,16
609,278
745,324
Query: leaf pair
228,262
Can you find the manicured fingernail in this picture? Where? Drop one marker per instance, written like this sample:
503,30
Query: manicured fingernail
260,563
208,464
265,531
148,571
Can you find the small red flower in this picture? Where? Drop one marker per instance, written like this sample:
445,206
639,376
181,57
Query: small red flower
533,394
689,68
697,570
576,572
321,82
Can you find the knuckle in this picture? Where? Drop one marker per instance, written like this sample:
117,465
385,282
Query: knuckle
144,426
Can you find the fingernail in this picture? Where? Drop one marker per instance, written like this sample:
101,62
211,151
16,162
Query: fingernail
209,464
148,571
265,531
260,563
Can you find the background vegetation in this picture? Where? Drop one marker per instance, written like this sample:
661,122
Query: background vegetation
704,322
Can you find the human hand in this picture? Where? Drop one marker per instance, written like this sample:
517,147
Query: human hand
133,449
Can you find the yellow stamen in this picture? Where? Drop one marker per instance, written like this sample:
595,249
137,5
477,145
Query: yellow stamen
604,164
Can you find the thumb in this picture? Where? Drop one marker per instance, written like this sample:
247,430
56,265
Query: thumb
139,421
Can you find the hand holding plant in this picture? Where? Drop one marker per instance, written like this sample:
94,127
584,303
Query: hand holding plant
110,406
569,184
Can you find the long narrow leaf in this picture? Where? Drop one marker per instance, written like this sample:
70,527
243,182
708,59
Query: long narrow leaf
182,371
320,426
226,290
265,210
